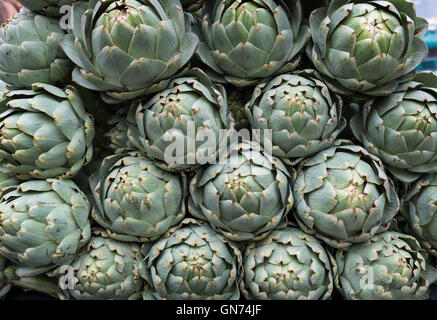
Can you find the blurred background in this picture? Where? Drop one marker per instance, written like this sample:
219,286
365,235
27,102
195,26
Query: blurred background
428,9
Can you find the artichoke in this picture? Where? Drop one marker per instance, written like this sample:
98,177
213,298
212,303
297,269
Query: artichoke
244,196
344,196
31,51
245,42
299,112
106,269
43,224
128,48
136,200
388,266
366,47
191,262
45,133
49,7
401,129
170,127
419,207
288,264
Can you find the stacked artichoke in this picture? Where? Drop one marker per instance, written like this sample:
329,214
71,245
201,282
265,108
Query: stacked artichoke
217,150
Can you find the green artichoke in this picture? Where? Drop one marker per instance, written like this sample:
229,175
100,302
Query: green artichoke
31,51
366,47
344,196
300,114
49,7
45,133
128,48
136,200
170,127
191,262
106,269
419,207
401,129
43,224
388,266
248,41
245,196
288,264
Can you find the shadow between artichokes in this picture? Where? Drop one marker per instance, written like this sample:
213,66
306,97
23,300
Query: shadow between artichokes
388,266
245,195
288,265
191,262
343,195
135,200
366,47
401,129
127,49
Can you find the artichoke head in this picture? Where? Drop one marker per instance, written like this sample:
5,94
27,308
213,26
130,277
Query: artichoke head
191,262
288,265
344,196
31,51
45,133
106,269
43,224
366,47
300,114
245,42
401,129
126,49
388,266
136,200
244,196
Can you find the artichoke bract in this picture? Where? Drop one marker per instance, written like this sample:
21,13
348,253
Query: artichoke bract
130,48
288,265
106,269
245,42
302,115
366,47
45,133
191,262
419,207
170,127
244,196
344,196
389,266
31,51
49,7
117,139
401,129
136,200
43,224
